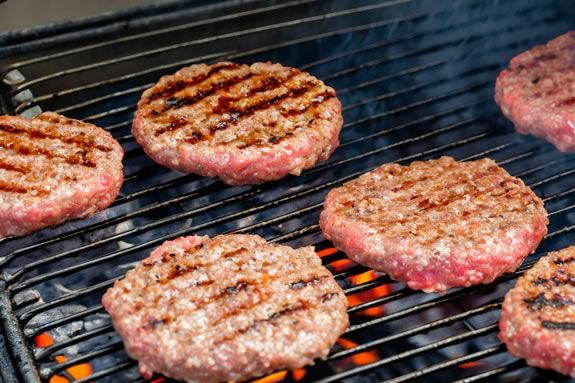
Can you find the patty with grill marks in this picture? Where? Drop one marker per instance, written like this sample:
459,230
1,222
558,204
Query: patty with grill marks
54,169
228,308
537,91
436,224
246,124
538,316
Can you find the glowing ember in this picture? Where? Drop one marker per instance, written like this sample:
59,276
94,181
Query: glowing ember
326,252
469,365
43,340
273,378
341,265
77,372
298,374
368,295
362,358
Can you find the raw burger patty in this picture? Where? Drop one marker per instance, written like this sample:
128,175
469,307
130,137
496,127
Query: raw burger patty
245,124
436,224
53,169
228,308
537,92
538,316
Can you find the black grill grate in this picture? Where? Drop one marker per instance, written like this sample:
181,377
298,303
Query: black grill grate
416,81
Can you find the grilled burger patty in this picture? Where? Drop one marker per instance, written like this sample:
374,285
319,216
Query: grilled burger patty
53,169
538,316
436,224
227,309
537,92
243,124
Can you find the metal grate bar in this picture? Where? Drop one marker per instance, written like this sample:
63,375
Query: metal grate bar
233,215
363,66
412,353
263,29
62,321
149,34
221,55
414,331
90,311
454,362
435,98
48,351
156,188
107,372
66,298
494,372
110,348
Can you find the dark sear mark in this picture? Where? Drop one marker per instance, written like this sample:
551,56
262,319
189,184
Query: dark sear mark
306,282
563,261
268,84
180,102
223,106
567,102
275,139
273,317
24,148
236,114
15,168
155,323
558,325
13,188
180,270
240,286
173,125
559,279
546,57
77,140
176,86
539,302
327,297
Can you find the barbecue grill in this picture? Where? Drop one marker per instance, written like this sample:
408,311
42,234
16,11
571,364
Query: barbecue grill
415,78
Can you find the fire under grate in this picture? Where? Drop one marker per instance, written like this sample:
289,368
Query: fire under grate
416,81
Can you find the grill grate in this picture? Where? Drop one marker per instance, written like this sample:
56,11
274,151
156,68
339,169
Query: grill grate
416,81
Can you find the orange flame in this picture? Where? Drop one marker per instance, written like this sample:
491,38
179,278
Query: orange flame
366,296
78,371
298,374
273,378
326,252
469,365
362,358
341,265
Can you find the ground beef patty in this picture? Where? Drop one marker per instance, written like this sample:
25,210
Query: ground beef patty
538,316
245,124
436,224
227,309
537,92
53,169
